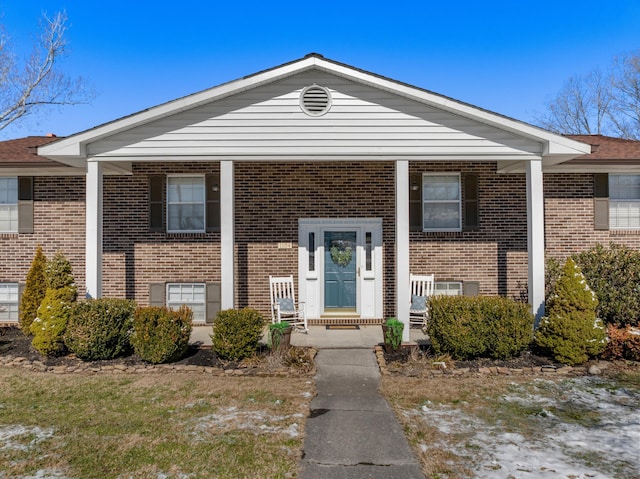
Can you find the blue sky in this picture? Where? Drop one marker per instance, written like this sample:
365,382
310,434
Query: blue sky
505,56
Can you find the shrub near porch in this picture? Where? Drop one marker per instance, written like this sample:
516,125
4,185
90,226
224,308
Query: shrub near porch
481,326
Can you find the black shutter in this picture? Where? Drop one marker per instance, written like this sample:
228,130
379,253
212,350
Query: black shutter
470,206
156,203
212,184
601,201
415,202
156,294
213,302
25,204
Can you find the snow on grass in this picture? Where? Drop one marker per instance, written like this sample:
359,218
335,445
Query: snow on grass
257,422
578,429
42,474
22,438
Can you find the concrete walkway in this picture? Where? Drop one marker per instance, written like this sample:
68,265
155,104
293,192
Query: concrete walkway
320,337
352,432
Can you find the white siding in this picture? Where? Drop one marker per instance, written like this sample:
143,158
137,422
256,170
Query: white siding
267,120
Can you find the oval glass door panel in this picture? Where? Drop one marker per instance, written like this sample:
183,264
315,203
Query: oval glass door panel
340,270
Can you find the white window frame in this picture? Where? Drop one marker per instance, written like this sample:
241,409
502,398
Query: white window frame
8,205
176,304
459,201
9,302
204,203
448,290
616,203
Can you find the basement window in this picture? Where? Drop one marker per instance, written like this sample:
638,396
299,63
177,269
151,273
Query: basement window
9,302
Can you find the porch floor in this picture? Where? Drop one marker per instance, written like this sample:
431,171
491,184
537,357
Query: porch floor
320,337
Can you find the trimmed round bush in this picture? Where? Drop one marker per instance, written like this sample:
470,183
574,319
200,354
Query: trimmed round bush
479,326
160,334
236,333
572,332
100,328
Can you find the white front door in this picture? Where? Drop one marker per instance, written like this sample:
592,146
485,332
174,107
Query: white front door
340,267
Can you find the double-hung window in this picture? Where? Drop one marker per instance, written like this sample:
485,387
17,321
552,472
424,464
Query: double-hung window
189,294
186,204
441,202
8,205
624,201
9,302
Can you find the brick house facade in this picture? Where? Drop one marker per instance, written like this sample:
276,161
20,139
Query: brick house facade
266,172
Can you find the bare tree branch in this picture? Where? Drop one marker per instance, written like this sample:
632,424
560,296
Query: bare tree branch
38,83
599,103
625,111
581,106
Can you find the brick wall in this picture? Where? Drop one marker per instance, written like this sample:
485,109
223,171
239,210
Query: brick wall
133,256
495,255
59,225
569,217
271,197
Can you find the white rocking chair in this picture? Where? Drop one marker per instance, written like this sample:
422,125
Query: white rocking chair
421,290
283,303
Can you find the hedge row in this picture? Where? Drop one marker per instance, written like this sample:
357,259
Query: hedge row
105,328
479,327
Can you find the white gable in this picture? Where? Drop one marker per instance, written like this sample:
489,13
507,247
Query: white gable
260,118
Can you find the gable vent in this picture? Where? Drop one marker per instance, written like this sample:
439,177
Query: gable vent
315,100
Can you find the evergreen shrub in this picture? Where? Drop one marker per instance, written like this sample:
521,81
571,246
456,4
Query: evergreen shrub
160,334
479,326
34,291
100,328
236,333
571,332
53,313
614,275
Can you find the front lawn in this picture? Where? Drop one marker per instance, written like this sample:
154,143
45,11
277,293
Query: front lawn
521,427
150,425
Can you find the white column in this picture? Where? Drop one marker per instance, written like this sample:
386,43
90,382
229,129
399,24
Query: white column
227,239
93,237
403,288
535,237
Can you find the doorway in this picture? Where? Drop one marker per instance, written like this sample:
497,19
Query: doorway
340,267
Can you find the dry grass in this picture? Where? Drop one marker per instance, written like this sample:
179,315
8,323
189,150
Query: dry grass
406,393
150,425
471,405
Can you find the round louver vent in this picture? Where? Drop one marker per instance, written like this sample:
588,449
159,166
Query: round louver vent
315,100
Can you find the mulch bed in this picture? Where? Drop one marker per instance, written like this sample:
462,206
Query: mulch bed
18,345
423,362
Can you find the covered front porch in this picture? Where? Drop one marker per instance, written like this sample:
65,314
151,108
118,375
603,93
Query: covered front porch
292,147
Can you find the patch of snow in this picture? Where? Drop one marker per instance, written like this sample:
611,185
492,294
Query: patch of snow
10,436
41,474
552,448
257,422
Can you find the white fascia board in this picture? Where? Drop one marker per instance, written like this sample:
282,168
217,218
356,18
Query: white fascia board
39,171
282,158
621,169
75,145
